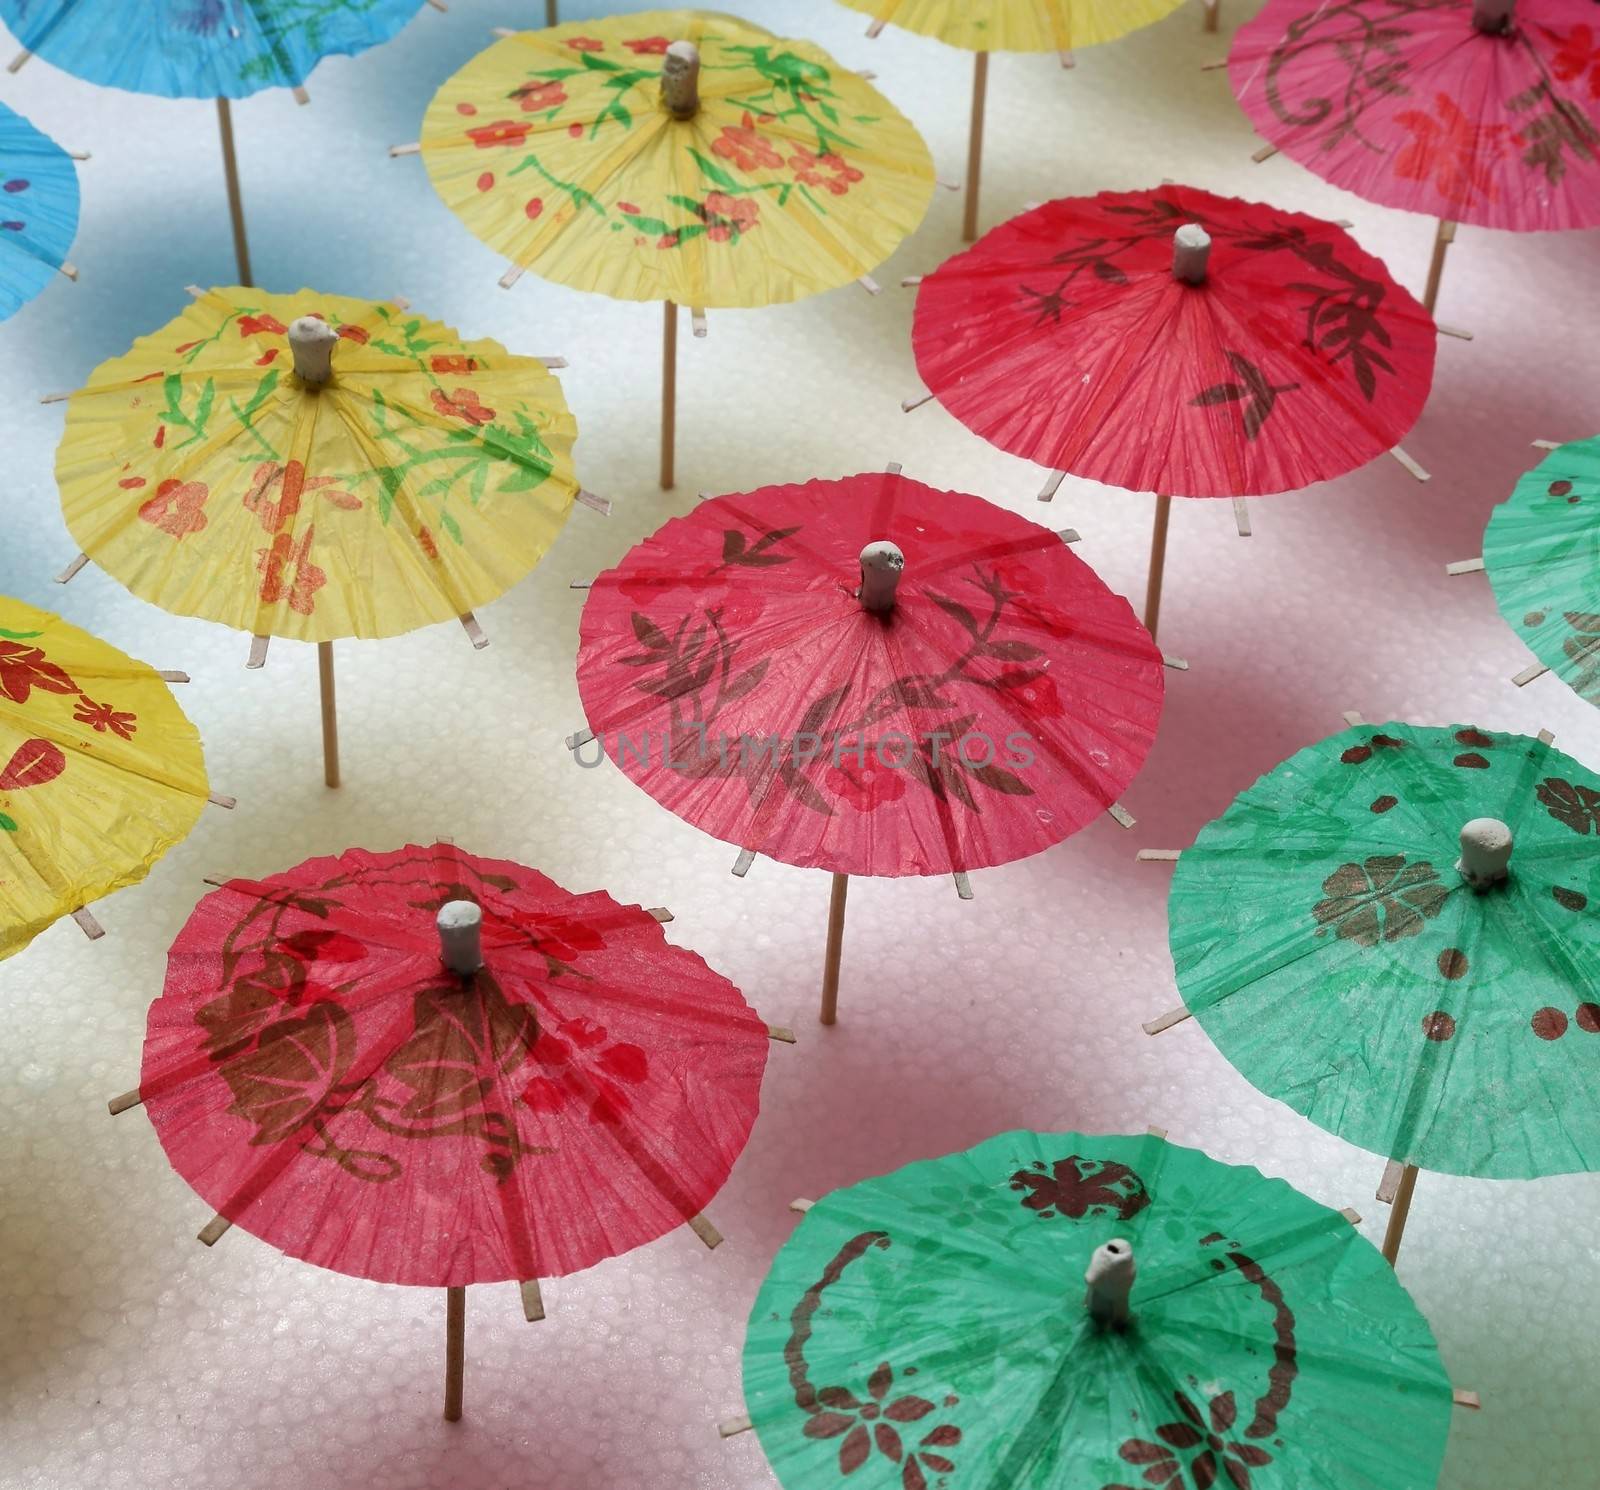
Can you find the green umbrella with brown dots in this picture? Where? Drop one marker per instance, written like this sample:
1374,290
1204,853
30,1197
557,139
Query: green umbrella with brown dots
1397,933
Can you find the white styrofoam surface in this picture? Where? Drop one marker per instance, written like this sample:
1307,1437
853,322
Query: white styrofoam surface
132,1356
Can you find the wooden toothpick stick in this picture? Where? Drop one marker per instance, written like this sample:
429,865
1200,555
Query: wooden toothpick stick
127,1101
730,1426
469,624
701,1226
214,1229
1167,1020
87,924
1157,855
532,1300
1465,566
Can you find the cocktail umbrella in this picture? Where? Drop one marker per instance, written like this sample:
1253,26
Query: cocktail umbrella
100,772
591,154
1391,933
754,667
222,49
429,1068
1064,1311
1477,111
38,211
312,466
985,26
1176,342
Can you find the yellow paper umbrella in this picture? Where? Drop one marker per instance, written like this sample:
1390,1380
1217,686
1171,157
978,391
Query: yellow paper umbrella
100,772
984,26
313,467
676,155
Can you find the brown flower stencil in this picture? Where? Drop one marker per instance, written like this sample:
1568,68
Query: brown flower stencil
294,1069
1383,898
1578,807
1196,1447
1076,1187
1254,390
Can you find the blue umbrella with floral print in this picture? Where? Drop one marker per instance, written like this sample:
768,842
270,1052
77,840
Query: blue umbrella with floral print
1062,1311
38,211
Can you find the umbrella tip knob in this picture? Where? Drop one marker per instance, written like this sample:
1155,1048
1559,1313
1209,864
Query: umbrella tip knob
1191,247
460,924
882,564
311,340
680,79
1492,16
1485,852
1109,1277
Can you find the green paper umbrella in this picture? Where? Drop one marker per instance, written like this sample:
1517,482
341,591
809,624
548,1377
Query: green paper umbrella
1358,956
1542,554
932,1328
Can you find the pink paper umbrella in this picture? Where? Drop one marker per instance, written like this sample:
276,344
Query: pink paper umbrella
1472,111
868,676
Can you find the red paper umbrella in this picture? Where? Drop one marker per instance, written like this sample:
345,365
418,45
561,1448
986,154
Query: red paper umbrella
995,703
1466,110
1176,342
344,1064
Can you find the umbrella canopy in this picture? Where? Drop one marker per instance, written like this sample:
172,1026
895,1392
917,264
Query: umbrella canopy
1352,953
1065,336
216,470
1001,701
933,1323
325,1081
100,772
1017,25
1540,550
38,211
791,176
1466,110
200,48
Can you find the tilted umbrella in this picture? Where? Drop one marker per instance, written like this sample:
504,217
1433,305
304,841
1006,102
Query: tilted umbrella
312,467
985,26
868,676
221,49
1392,933
38,211
429,1068
100,772
1177,342
675,155
1477,111
1066,1311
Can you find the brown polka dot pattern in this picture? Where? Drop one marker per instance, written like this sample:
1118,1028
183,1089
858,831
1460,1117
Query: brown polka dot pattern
1533,618
1471,761
1560,488
1589,1018
1356,754
1573,900
1438,1025
1549,1024
1453,963
1474,737
1384,803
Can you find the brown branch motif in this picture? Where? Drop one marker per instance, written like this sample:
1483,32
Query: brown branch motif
1554,130
283,1040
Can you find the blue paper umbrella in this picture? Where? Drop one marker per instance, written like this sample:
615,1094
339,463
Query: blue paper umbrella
38,211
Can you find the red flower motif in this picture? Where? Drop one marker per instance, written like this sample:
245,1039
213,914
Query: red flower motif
452,363
255,325
870,784
597,1082
535,98
830,172
287,573
870,1424
1037,690
1455,152
486,181
463,404
1580,53
102,717
276,515
35,763
507,132
354,333
270,355
648,46
178,507
727,217
1164,1462
745,147
425,540
585,44
533,207
23,669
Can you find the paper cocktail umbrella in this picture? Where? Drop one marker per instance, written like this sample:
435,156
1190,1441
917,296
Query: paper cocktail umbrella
985,26
1477,111
38,211
428,1068
1176,342
100,772
1393,932
222,49
675,155
868,676
1065,1311
312,466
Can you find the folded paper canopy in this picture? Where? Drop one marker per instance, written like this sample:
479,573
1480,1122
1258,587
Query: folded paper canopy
425,477
100,772
1539,552
326,1082
794,175
200,48
38,210
1418,106
1003,702
1018,25
932,1326
1065,336
1327,938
